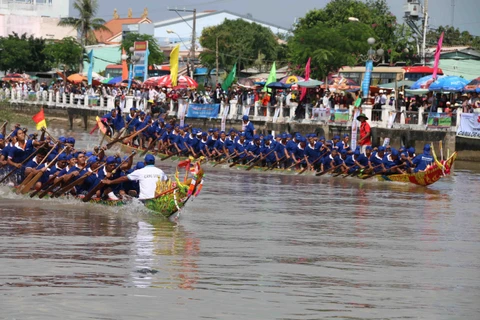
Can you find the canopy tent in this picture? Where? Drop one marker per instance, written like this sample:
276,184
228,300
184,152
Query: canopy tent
423,82
278,85
415,92
473,86
312,83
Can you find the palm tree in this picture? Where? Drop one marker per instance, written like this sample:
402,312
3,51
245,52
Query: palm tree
86,23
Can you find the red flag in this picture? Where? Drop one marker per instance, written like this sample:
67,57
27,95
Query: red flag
437,56
39,119
307,77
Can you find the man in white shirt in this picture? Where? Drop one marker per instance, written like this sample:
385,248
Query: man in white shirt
147,178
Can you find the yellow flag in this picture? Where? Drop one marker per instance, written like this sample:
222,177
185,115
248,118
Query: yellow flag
174,65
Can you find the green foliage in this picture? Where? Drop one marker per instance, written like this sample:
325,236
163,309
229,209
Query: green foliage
66,52
86,23
238,42
22,53
453,37
156,55
329,47
333,41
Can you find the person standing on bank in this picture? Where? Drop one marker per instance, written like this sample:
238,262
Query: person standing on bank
365,133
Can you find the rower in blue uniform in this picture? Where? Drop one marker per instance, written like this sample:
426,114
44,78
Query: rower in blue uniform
424,160
249,128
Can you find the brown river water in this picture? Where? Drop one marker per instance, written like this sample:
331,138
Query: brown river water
252,246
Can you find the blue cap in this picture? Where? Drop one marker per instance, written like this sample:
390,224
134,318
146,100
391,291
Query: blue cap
168,126
69,157
92,160
269,137
411,150
2,136
133,109
62,139
256,137
394,152
62,157
204,134
289,136
89,154
111,160
210,130
357,152
336,137
368,148
140,165
232,131
346,135
222,132
149,159
427,147
403,154
343,151
302,139
70,140
142,113
245,118
322,138
194,131
382,148
283,136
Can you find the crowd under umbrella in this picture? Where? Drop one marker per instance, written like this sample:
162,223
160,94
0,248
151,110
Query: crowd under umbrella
473,86
448,84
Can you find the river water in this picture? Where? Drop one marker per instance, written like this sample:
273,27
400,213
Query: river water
252,246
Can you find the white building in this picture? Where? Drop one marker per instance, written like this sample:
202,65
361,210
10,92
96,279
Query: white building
183,30
35,17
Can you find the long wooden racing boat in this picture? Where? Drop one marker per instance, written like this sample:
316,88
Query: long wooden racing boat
171,196
422,178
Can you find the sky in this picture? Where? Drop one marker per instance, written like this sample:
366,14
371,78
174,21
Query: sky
284,12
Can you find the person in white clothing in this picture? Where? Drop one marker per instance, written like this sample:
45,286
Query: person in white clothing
147,178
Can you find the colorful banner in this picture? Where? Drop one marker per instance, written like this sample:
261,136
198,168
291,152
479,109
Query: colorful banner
141,48
366,78
469,126
90,67
93,101
340,116
174,64
437,56
197,110
437,120
276,114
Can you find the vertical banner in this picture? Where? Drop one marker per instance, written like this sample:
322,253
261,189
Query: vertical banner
174,65
145,74
141,48
367,77
276,114
130,75
224,117
90,68
437,56
182,107
353,139
391,119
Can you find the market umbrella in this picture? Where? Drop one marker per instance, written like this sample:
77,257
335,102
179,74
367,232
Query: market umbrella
76,78
166,81
291,79
16,77
423,82
449,83
278,85
312,83
473,86
106,80
246,83
114,81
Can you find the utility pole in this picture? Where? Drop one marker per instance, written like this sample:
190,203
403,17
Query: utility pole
425,27
216,61
191,54
192,51
453,13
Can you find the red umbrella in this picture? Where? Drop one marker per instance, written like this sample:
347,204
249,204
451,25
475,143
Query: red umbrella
166,81
14,77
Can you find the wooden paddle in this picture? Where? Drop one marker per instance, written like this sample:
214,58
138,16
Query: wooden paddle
311,164
168,157
76,182
133,135
100,184
4,128
51,137
224,160
329,170
234,163
369,176
257,161
275,163
21,164
32,178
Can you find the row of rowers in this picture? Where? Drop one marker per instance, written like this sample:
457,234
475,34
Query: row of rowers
61,165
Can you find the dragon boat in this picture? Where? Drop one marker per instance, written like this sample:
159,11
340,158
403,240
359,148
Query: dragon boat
431,175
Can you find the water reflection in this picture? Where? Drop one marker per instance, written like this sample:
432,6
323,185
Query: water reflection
165,256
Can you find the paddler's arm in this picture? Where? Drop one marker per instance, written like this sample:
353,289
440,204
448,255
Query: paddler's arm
116,181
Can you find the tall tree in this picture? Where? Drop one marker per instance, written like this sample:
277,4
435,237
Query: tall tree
239,42
453,37
22,53
64,54
156,55
86,23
